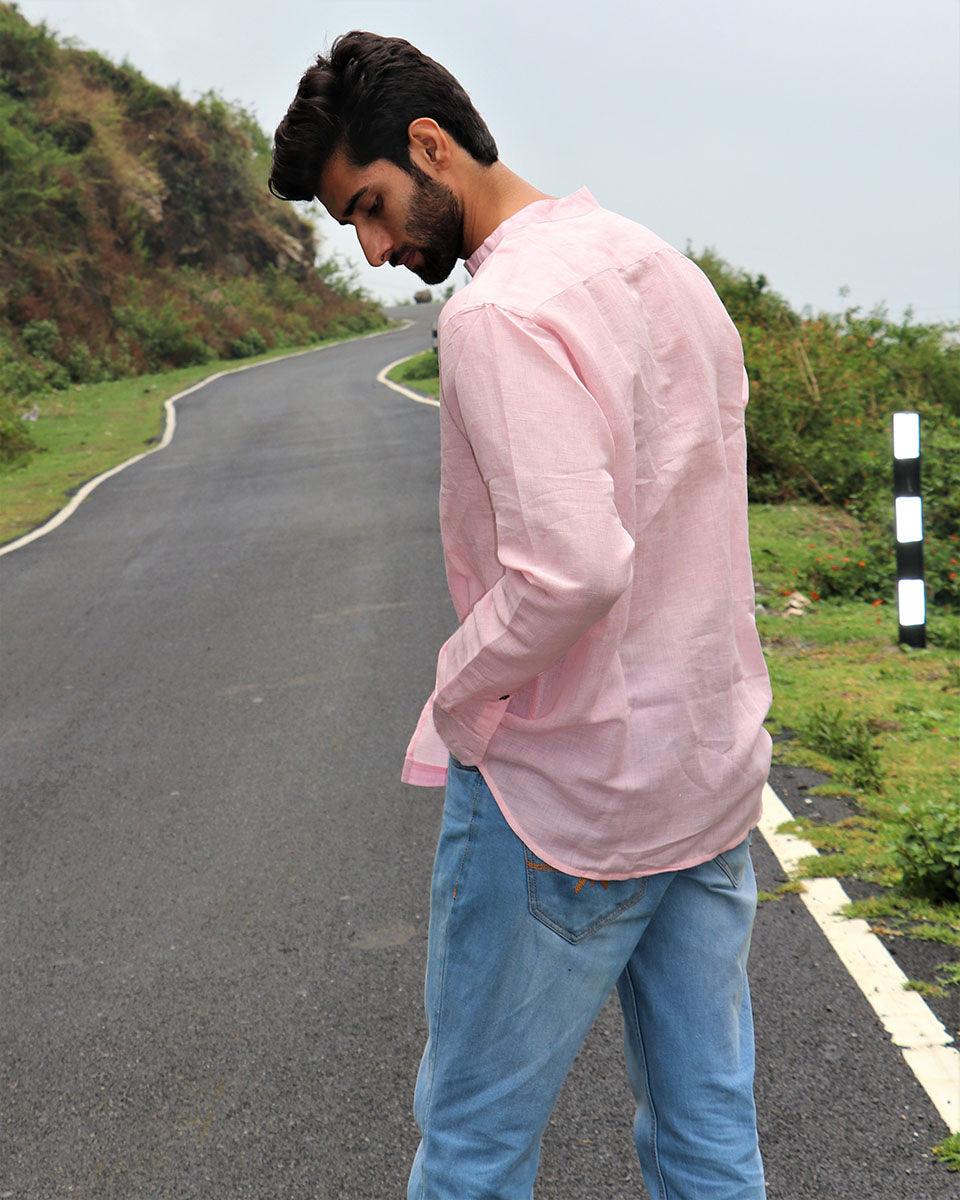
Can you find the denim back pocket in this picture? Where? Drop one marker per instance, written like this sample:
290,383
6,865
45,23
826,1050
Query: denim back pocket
576,907
733,862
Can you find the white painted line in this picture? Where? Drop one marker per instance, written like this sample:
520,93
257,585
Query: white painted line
911,1023
398,387
75,500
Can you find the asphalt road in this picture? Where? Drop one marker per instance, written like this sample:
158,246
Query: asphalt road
213,885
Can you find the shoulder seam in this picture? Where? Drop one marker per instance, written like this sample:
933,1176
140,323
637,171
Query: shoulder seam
458,317
532,314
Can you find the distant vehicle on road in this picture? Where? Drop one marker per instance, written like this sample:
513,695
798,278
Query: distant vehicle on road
424,296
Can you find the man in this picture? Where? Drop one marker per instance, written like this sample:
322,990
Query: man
597,718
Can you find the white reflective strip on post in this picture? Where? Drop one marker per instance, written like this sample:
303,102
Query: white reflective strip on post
911,603
906,435
909,513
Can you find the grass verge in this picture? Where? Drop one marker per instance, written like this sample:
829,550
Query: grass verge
418,372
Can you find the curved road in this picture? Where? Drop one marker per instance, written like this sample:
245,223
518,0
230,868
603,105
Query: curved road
214,886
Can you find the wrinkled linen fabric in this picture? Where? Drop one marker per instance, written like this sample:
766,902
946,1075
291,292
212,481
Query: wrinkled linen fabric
606,677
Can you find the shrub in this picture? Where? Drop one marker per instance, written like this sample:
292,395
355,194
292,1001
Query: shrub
18,378
164,338
40,337
928,850
83,366
848,738
33,187
26,54
16,437
248,344
943,630
819,424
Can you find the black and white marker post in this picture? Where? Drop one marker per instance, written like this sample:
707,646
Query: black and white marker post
908,511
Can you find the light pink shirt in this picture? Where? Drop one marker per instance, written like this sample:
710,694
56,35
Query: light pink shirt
593,515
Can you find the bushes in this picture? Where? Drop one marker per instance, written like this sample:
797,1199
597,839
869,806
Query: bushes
345,322
163,337
823,392
84,367
928,850
21,377
847,738
249,344
40,337
140,95
33,185
925,843
26,54
16,437
821,403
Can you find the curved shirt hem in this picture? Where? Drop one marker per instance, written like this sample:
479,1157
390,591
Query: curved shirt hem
580,872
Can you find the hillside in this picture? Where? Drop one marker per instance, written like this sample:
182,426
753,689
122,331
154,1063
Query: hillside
136,228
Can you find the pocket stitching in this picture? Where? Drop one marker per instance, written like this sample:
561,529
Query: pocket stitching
533,904
727,870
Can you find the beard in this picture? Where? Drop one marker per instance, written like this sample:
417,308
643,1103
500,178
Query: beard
434,227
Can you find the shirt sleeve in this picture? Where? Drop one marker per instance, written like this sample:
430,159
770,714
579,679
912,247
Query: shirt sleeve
545,450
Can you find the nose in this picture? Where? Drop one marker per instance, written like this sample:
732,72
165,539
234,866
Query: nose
375,247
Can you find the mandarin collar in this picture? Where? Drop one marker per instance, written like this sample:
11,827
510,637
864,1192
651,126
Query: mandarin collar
549,209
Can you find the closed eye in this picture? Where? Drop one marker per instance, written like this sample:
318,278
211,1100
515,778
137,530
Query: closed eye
376,207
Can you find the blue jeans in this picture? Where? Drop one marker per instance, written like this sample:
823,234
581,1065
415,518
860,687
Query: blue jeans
520,960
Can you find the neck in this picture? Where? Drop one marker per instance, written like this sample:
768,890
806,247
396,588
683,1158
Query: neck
495,193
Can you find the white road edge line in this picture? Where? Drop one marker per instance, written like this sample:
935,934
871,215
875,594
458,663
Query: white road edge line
59,517
911,1023
398,387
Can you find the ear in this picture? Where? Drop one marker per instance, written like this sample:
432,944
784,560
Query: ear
427,139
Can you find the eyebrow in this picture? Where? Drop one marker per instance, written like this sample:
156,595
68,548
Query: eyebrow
352,203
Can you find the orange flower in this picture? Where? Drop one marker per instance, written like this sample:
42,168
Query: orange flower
876,602
861,563
814,595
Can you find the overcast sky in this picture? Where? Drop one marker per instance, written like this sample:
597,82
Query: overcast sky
815,141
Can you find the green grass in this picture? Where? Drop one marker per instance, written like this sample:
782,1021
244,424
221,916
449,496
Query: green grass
877,718
89,428
411,374
785,889
948,1151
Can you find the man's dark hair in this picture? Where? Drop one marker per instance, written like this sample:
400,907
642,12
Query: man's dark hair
361,100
